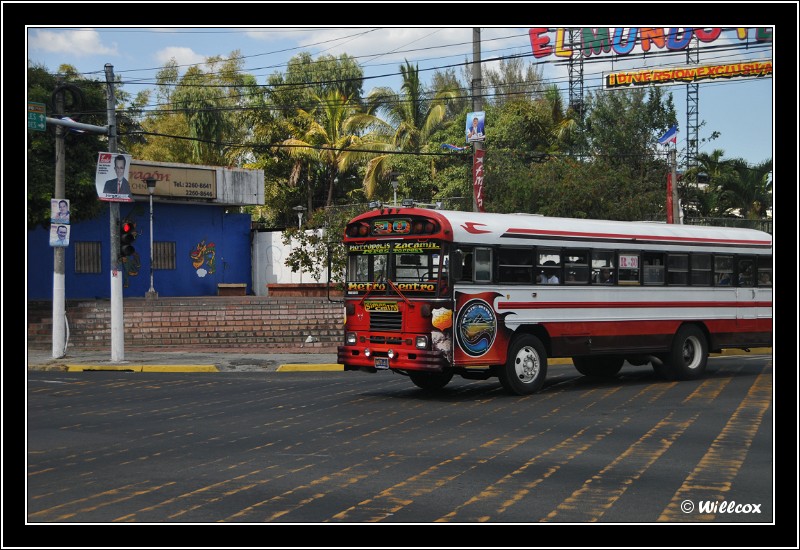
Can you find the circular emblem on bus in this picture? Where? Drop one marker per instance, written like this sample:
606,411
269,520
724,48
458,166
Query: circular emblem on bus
476,327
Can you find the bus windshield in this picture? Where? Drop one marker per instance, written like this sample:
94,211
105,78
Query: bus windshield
417,268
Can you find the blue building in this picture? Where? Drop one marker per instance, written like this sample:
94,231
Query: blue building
200,240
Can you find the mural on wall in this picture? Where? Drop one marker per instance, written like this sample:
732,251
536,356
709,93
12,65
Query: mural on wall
204,255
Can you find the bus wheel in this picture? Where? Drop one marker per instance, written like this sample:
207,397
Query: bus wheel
688,357
430,380
600,366
526,367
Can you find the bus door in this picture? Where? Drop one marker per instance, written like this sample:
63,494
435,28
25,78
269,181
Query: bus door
481,338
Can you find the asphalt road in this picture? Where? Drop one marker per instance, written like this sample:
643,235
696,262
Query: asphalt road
356,448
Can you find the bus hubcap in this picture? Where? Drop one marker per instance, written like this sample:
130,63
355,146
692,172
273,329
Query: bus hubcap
527,365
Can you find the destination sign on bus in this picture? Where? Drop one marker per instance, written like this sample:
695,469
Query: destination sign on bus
371,248
415,248
629,262
391,227
402,287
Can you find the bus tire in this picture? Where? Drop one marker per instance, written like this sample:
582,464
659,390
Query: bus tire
526,367
430,380
599,366
688,356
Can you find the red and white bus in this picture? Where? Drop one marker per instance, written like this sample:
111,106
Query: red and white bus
432,293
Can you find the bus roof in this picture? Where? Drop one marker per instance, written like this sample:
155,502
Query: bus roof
529,229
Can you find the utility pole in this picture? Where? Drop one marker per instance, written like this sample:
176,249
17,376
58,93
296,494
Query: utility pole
59,277
117,319
477,97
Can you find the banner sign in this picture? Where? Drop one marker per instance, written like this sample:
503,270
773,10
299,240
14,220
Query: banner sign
477,178
190,183
684,75
621,41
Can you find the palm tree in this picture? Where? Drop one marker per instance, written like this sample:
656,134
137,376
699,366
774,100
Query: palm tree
409,119
324,139
711,172
750,192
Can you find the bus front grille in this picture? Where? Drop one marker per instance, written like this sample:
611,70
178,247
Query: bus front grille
383,320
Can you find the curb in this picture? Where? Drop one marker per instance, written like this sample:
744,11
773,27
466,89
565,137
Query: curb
290,367
142,368
310,368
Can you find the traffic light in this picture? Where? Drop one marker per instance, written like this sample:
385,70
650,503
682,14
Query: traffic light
127,234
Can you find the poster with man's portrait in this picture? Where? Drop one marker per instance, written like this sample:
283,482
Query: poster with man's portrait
111,178
475,122
59,211
59,234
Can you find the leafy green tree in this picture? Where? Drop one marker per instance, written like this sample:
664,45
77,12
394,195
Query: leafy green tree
621,127
312,248
165,129
511,80
401,122
566,187
211,101
282,111
85,102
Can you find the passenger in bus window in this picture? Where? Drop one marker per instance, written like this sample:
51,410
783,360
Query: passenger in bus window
763,279
724,279
549,276
605,276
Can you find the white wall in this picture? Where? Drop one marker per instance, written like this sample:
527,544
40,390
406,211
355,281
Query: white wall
269,255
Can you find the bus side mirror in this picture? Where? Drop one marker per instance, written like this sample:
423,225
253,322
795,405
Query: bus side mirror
457,265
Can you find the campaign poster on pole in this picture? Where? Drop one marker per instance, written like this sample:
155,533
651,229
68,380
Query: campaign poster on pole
59,211
59,234
111,178
474,129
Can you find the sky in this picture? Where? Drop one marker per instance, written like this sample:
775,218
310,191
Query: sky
739,109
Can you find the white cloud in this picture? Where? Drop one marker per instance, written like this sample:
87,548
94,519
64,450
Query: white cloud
183,56
80,43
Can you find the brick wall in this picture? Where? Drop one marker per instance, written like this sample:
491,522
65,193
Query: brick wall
237,322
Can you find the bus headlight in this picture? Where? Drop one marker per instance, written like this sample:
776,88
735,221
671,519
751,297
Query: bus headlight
422,342
350,339
390,353
367,352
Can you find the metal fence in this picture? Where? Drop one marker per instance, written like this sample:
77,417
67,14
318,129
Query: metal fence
761,225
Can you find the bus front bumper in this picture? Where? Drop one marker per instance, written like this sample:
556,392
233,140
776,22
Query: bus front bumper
355,358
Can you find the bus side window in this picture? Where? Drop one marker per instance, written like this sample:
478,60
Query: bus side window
483,265
653,271
745,270
723,270
701,269
678,269
603,271
764,271
576,263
